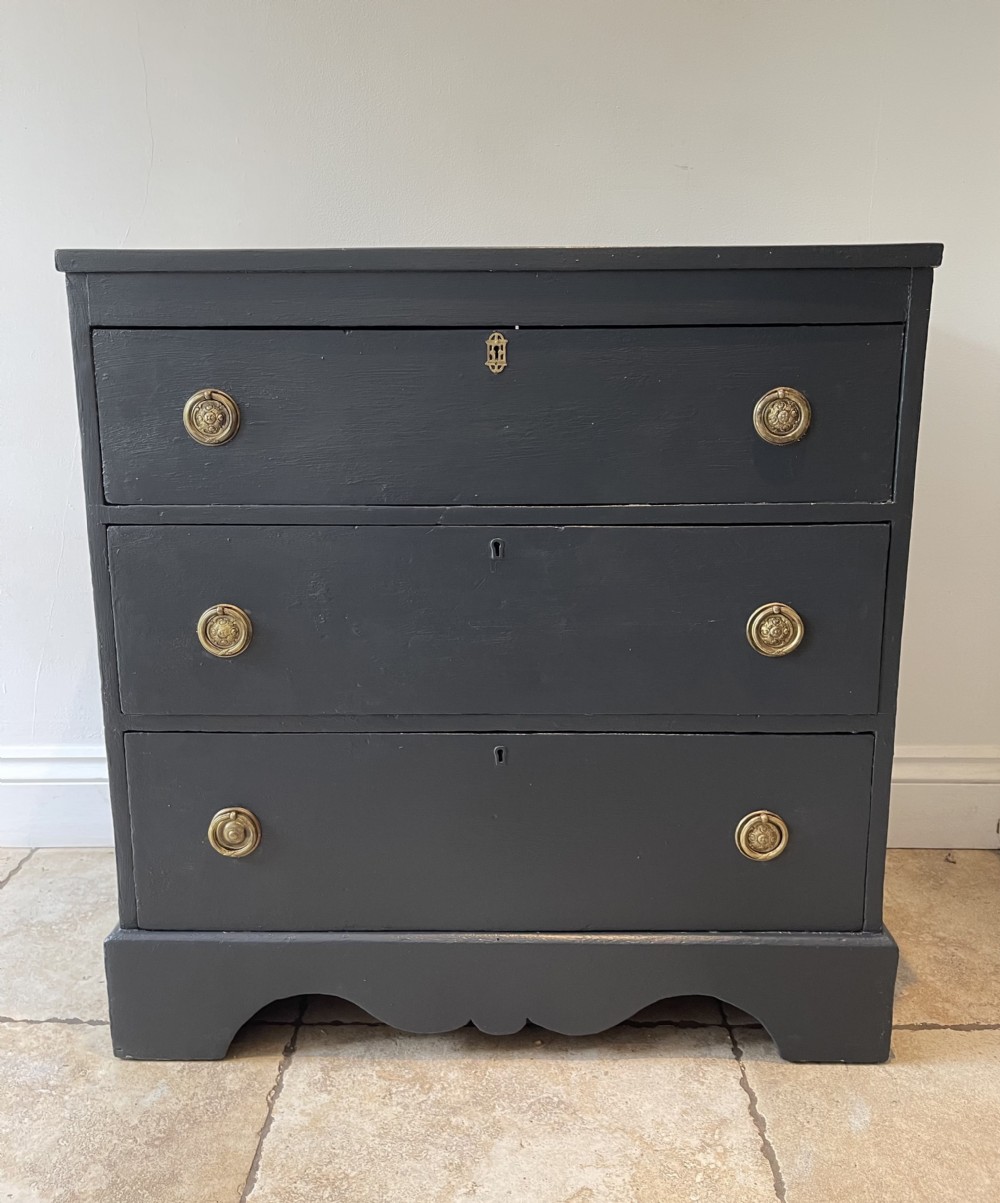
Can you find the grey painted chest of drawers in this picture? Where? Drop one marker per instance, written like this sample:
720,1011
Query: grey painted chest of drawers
503,635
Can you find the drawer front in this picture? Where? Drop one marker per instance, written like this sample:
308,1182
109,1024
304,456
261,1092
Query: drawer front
515,620
568,833
578,416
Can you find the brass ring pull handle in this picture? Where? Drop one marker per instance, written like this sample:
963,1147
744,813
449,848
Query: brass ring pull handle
234,832
211,417
782,416
762,835
775,629
225,630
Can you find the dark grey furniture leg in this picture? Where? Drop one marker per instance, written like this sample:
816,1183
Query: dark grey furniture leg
183,995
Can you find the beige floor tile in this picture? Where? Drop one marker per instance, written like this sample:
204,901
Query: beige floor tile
54,915
323,1008
78,1126
639,1115
919,1129
10,858
944,910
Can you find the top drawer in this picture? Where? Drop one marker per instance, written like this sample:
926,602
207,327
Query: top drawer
576,417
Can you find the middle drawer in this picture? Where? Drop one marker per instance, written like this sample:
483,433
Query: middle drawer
508,621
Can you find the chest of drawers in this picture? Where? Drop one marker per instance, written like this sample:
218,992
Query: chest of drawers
500,636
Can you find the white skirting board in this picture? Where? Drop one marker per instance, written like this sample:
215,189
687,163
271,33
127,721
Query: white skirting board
942,797
945,796
54,796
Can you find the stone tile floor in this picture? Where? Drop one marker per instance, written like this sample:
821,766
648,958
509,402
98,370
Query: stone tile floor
318,1101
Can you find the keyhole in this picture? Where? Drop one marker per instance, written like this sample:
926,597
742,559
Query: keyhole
500,754
496,549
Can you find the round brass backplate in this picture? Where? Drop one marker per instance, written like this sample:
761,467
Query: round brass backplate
775,629
211,417
782,416
762,835
225,630
234,832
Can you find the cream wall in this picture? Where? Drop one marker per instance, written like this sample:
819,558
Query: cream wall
372,122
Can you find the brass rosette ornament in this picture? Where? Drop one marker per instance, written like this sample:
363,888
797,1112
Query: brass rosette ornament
211,417
762,835
225,630
782,416
775,629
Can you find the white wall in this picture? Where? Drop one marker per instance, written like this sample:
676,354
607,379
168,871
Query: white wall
322,122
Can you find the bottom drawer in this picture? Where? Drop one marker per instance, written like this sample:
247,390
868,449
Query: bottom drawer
554,832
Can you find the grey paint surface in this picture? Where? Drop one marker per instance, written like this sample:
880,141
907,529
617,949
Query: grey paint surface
508,259
567,833
708,514
413,417
822,995
466,298
403,620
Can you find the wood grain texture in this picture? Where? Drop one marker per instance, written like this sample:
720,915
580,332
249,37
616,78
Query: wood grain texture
568,833
579,417
909,425
403,620
401,299
655,724
90,451
711,514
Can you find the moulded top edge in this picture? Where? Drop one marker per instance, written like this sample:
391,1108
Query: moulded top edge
506,259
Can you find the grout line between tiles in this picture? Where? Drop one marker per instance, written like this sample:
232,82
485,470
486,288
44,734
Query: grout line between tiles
759,1122
668,1023
87,1023
946,1027
377,1023
272,1097
18,867
629,1023
344,1023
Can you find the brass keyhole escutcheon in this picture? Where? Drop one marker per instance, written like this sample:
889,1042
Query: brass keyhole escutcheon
234,832
782,416
775,629
211,417
225,630
762,835
496,352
